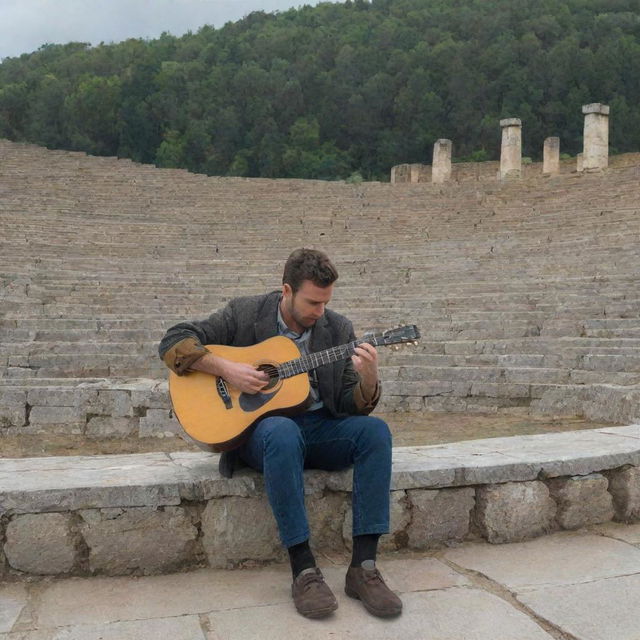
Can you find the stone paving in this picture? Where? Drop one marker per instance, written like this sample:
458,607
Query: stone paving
567,586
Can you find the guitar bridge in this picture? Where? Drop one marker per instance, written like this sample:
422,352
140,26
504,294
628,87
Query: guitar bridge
223,392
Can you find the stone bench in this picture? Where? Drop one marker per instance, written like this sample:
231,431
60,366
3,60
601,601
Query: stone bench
157,512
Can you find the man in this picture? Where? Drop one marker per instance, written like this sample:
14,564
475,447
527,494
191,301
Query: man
334,433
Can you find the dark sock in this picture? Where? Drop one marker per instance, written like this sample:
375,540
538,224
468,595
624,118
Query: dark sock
301,558
364,548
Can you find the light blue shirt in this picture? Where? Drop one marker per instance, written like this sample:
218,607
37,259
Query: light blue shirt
302,342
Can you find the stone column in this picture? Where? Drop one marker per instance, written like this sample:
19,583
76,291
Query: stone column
511,152
579,163
551,157
441,168
596,136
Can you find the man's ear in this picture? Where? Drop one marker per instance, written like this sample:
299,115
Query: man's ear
287,291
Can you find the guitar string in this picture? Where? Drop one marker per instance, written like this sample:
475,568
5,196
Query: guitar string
313,360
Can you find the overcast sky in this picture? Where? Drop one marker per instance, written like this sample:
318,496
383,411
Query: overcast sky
25,25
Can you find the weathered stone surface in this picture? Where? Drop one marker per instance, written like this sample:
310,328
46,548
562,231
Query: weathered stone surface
158,423
57,419
102,599
514,511
551,156
624,486
439,516
581,500
601,610
29,485
559,559
144,540
180,628
41,543
441,169
326,515
420,574
13,408
619,531
237,529
13,598
511,149
596,136
111,427
482,616
399,518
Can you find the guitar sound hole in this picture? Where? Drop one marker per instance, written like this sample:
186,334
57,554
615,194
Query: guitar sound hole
272,372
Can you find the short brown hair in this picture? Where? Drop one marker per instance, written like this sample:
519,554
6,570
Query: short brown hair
309,264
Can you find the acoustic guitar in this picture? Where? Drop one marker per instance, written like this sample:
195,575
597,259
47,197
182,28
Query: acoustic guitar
215,413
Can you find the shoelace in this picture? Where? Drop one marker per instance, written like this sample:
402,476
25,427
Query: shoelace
309,579
372,575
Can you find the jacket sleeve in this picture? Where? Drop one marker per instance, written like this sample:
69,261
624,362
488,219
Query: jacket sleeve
352,399
182,344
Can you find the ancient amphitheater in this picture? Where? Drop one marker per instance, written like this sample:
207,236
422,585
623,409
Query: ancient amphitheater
526,293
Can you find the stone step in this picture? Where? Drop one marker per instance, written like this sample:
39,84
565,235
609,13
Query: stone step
150,504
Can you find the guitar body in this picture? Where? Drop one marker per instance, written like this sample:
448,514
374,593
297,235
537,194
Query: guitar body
207,418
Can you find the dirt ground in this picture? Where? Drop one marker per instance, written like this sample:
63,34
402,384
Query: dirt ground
408,429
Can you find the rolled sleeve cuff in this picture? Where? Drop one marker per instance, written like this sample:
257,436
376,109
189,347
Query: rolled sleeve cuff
363,403
181,356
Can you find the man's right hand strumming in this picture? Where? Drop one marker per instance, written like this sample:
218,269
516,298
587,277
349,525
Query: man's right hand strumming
238,374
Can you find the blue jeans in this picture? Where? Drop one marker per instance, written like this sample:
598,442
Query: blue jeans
281,448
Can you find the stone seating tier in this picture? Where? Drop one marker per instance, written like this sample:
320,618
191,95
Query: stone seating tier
510,283
154,513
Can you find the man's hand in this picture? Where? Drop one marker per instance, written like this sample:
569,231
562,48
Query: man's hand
244,377
238,374
365,362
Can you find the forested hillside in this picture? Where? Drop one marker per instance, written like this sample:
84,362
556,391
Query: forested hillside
337,89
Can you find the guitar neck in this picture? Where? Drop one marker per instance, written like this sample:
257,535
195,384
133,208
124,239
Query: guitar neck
317,359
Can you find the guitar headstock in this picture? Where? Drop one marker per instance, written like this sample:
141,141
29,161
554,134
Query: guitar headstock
399,335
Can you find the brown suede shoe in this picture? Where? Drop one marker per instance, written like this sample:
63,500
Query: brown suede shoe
311,595
365,583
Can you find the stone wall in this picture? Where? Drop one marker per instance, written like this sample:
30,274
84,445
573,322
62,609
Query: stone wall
489,171
153,513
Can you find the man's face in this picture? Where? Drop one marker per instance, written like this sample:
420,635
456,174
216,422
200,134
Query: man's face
306,306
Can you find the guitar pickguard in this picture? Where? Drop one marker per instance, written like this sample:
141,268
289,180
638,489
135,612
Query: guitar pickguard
253,401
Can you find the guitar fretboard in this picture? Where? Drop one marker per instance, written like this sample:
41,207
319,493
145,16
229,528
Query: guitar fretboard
313,360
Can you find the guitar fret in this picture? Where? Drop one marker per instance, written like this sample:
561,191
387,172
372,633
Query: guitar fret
313,360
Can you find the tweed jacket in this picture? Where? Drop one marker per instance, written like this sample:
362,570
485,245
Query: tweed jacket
248,320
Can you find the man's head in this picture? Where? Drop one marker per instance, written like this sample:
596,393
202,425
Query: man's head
307,286
308,264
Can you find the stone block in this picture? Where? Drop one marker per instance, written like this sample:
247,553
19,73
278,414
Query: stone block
60,396
624,486
581,500
326,515
56,420
111,427
399,516
41,543
237,529
13,407
113,402
439,516
514,511
143,540
153,399
159,423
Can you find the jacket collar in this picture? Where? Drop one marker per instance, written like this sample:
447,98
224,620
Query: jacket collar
267,324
